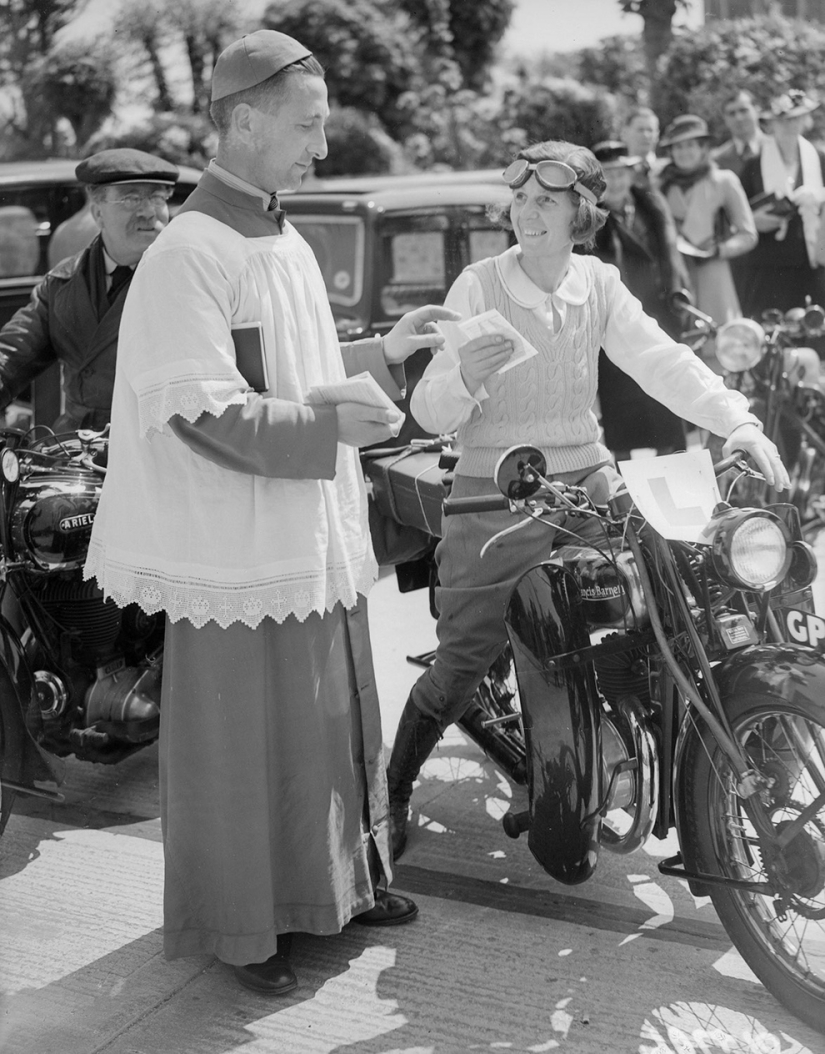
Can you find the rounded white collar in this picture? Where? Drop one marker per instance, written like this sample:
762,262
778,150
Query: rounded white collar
574,287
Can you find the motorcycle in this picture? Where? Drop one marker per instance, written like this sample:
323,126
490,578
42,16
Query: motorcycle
654,683
78,675
773,366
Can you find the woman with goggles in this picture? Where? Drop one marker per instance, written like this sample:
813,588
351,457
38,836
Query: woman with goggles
566,307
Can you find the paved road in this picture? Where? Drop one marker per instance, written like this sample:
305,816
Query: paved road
502,959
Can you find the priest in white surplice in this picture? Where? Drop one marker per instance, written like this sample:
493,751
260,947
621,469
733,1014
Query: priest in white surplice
243,516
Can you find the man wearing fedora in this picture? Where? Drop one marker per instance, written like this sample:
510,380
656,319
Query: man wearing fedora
639,237
785,188
234,501
74,313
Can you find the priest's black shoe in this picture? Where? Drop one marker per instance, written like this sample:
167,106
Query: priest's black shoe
390,909
273,977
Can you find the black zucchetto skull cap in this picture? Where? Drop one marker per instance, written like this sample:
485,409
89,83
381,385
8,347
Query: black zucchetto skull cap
254,58
125,165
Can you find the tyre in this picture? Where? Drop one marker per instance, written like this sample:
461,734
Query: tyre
11,756
782,939
493,718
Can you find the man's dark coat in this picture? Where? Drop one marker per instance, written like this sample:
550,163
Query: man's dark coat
67,319
651,267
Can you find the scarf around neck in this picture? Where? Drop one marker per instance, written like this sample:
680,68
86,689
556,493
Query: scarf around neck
672,176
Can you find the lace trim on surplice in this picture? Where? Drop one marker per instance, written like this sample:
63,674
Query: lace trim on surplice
202,601
188,397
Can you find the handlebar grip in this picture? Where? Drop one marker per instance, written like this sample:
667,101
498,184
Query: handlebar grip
483,503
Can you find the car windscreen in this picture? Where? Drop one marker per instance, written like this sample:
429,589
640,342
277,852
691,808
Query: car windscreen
338,244
28,216
412,262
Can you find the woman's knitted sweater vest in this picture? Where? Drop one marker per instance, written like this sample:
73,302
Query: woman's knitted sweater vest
548,400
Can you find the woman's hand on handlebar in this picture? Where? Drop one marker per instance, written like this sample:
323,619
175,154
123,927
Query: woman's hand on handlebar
481,357
752,440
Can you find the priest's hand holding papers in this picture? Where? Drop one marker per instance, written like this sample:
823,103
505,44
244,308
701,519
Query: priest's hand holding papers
366,414
485,344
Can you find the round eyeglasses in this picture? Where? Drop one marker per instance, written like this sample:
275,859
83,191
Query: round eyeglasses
133,199
552,175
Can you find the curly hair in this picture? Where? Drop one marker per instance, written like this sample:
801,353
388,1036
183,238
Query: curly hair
589,218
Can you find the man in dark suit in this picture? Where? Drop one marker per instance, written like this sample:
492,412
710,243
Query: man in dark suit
639,237
742,119
74,312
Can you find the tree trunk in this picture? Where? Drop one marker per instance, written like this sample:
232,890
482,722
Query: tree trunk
657,32
150,42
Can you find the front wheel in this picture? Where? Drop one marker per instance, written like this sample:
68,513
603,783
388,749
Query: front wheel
782,939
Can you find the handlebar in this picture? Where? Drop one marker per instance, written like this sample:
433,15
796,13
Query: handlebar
483,503
726,464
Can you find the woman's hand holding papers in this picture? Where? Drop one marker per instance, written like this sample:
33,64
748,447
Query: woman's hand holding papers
481,357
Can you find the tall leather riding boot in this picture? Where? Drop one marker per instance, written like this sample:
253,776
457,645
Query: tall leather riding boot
415,738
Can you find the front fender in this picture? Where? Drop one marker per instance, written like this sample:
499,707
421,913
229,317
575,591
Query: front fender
792,673
560,709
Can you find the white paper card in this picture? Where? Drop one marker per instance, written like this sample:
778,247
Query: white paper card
489,322
361,388
676,494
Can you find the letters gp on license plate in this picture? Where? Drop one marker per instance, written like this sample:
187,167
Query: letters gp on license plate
803,627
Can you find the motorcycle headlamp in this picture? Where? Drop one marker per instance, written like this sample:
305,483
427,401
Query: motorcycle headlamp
740,344
750,549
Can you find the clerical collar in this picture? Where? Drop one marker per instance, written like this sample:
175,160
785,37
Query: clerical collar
240,184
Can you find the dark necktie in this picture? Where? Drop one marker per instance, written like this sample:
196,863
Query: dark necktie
120,276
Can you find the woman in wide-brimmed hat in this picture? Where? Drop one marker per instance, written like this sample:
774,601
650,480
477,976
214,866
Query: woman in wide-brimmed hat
786,187
639,237
712,215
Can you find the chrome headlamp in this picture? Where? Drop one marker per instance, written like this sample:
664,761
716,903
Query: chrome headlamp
750,548
740,344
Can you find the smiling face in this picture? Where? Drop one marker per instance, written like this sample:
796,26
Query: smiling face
543,219
279,147
689,154
129,228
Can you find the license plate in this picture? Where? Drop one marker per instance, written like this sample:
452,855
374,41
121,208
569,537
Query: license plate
803,627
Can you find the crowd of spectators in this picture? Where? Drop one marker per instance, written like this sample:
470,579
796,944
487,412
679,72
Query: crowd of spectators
737,225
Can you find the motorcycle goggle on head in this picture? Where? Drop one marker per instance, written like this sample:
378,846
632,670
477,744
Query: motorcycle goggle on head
552,175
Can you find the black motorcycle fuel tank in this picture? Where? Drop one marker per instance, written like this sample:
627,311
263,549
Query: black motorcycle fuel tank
546,625
52,517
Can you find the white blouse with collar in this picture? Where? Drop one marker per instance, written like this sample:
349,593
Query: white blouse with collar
667,371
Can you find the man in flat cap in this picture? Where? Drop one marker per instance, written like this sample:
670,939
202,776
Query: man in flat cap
236,504
74,313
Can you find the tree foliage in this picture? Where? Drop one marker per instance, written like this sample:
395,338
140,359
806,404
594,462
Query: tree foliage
198,30
74,81
467,31
28,32
369,56
765,55
560,109
617,65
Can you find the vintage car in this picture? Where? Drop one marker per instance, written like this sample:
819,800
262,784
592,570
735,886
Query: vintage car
387,244
43,218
